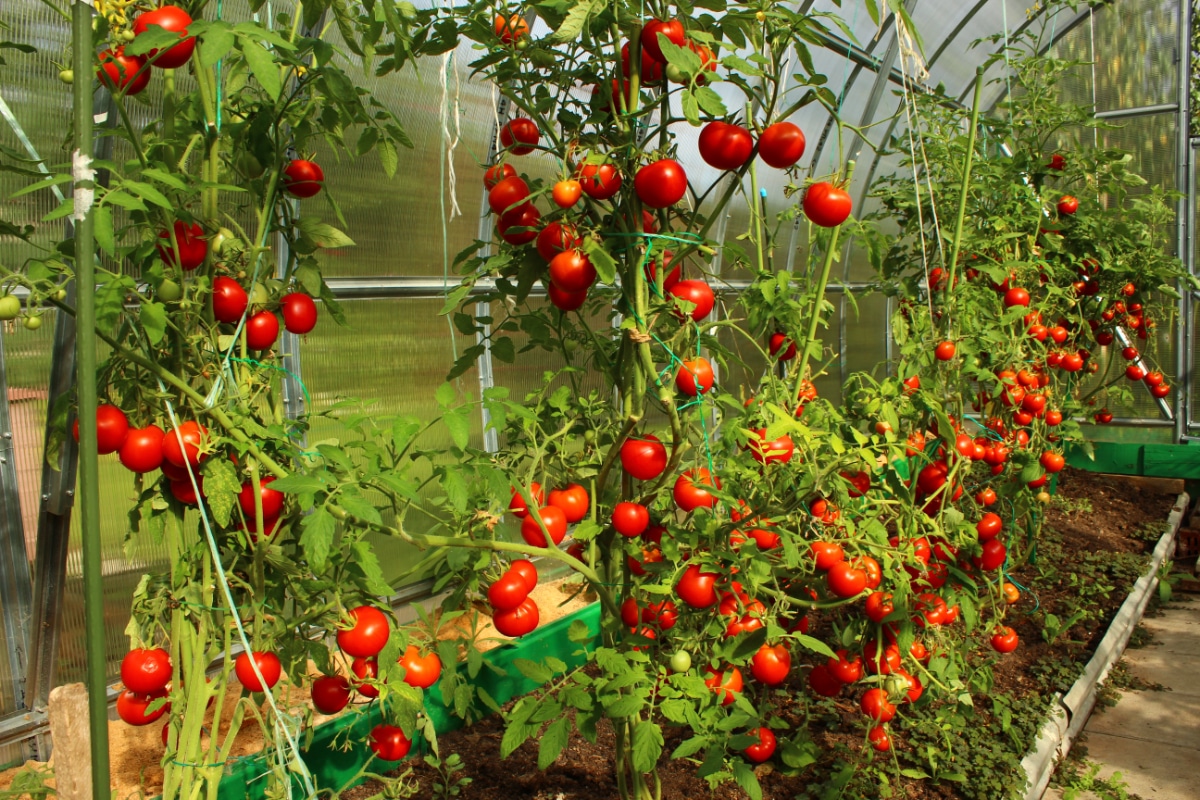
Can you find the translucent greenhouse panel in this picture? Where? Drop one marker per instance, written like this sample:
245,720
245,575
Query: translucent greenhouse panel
393,354
865,323
1136,44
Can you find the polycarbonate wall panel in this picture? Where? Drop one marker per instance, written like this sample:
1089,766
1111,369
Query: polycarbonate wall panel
1137,47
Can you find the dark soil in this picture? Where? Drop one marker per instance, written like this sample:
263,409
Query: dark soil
1104,515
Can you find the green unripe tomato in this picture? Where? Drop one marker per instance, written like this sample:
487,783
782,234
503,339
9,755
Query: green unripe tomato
675,74
60,295
523,43
224,240
681,661
169,291
570,346
250,166
10,306
127,36
32,323
259,295
589,436
67,76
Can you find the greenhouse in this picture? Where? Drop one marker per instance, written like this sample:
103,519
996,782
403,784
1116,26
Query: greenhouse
589,399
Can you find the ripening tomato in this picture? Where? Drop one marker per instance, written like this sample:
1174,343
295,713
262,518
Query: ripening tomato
660,184
879,739
420,671
844,668
651,68
272,499
827,554
845,580
944,351
517,504
823,683
695,376
1016,297
989,526
146,670
556,238
262,330
573,500
121,73
643,457
268,666
497,173
698,293
672,29
725,146
365,670
1134,372
566,193
764,748
112,428
389,743
726,683
1154,378
876,705
696,587
993,556
781,145
193,247
775,451
1068,204
572,271
303,178
193,436
526,570
520,135
1160,391
229,299
507,194
771,664
1057,162
368,632
132,707
508,591
518,621
566,301
170,18
299,312
630,519
599,181
330,693
689,493
552,517
780,342
879,606
142,450
1052,462
1004,639
519,226
826,205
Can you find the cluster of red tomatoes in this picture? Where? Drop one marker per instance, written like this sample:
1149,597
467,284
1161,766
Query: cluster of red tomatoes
514,612
130,74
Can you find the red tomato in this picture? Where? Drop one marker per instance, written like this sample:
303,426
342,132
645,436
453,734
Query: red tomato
556,525
572,271
330,693
827,554
272,499
672,29
823,683
777,451
825,204
1052,462
726,683
725,146
299,312
1160,391
630,519
566,301
1068,205
1016,297
651,68
1154,378
170,18
698,293
989,525
573,500
268,666
132,707
517,504
846,581
556,238
944,351
229,299
661,184
844,668
389,743
507,194
112,428
994,553
689,493
780,342
765,747
1134,372
781,146
262,329
193,435
771,664
631,614
520,135
497,173
1004,640
696,588
876,705
879,739
519,621
695,376
879,606
566,193
364,670
367,634
643,457
1057,162
121,73
519,225
184,492
421,671
302,178
510,29
526,570
146,671
193,247
599,181
142,451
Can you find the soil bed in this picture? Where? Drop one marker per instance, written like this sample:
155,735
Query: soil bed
1095,546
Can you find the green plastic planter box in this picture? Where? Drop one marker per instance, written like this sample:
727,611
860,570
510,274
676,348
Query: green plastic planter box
332,767
1148,460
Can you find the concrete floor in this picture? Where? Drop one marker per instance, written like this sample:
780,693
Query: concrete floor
1153,738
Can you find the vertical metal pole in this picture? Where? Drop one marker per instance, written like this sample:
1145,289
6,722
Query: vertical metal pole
16,594
1183,171
85,276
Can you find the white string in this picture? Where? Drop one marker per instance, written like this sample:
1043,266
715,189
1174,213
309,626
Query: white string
450,142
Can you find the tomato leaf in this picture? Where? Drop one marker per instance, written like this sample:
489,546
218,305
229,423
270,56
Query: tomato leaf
647,745
359,506
263,65
147,192
536,672
811,643
221,486
366,560
459,425
102,221
455,488
552,743
389,158
602,260
316,538
216,40
299,484
504,350
153,317
574,22
745,778
323,234
710,102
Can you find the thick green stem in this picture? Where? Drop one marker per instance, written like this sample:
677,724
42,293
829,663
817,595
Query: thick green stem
956,243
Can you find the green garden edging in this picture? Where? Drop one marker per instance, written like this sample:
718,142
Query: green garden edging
1147,460
333,767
